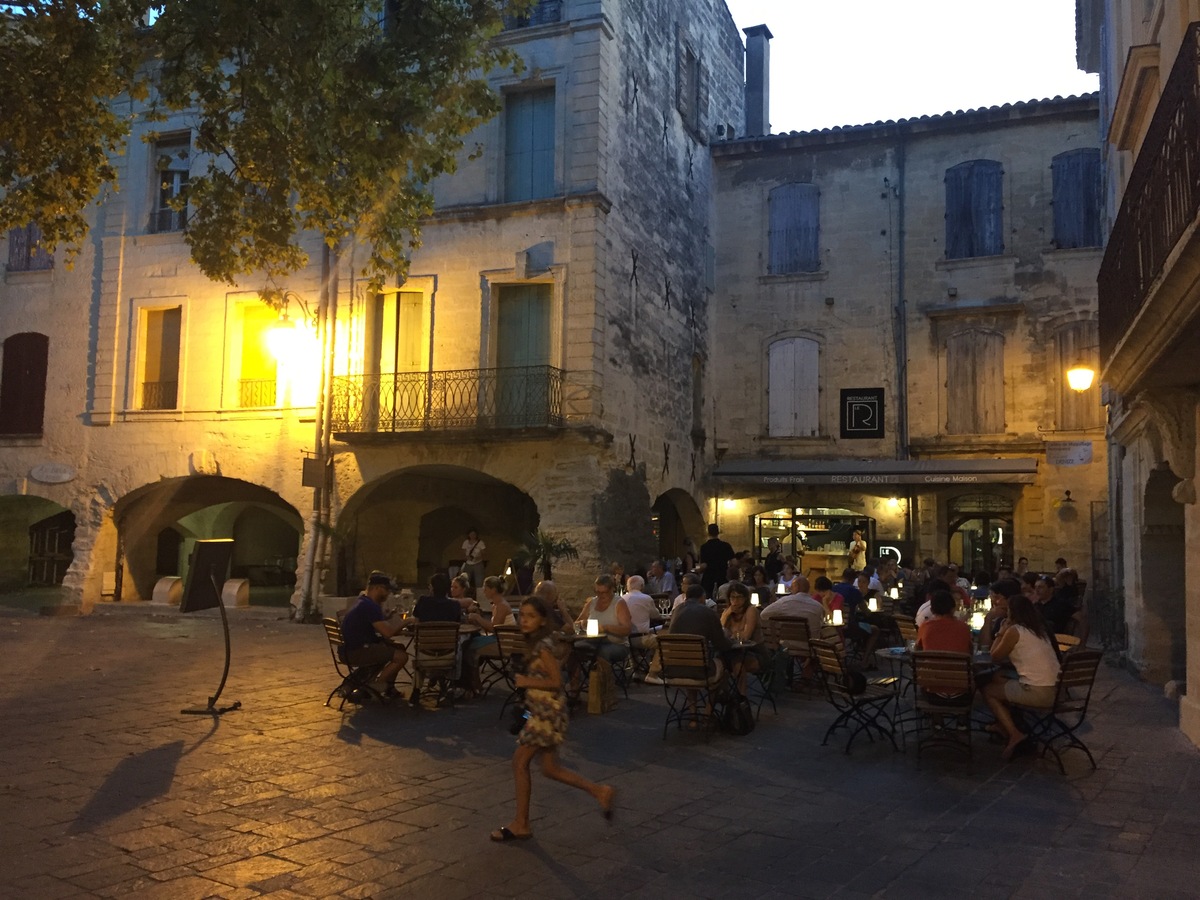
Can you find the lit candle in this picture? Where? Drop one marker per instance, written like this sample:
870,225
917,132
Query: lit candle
987,603
977,621
593,628
894,593
781,588
754,599
837,618
873,605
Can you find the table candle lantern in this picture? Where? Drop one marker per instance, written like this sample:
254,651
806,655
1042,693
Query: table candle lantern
593,628
837,618
873,605
894,593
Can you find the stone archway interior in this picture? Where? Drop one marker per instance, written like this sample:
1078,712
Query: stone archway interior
678,520
35,542
1164,653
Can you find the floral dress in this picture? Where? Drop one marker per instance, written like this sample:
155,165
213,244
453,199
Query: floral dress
546,726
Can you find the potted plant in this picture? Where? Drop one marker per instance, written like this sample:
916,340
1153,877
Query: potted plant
542,549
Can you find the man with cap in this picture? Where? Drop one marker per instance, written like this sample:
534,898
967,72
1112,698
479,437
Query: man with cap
363,631
715,554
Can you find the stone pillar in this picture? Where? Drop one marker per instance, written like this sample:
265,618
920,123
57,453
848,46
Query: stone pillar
1189,705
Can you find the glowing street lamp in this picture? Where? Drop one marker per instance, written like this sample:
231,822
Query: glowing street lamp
1080,376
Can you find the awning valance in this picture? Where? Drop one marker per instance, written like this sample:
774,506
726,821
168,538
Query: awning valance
858,472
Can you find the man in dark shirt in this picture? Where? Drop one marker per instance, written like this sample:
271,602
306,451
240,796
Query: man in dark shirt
715,554
364,628
438,605
694,617
1056,609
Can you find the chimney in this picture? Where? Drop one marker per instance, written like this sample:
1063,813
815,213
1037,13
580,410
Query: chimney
758,80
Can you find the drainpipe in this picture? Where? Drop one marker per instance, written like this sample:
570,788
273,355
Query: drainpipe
901,329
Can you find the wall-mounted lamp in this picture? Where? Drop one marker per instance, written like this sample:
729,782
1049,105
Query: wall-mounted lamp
282,337
1082,373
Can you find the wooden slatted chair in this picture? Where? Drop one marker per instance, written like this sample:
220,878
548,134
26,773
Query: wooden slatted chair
945,697
691,679
434,660
790,636
1066,642
859,711
906,626
513,650
1073,692
355,680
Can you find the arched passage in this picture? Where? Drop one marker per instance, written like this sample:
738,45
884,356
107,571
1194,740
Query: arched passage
1162,587
412,523
170,516
35,542
677,519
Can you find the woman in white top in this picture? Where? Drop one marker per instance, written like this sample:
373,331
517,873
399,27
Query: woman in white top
1024,642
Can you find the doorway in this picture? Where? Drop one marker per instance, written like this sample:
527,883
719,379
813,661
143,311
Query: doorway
981,533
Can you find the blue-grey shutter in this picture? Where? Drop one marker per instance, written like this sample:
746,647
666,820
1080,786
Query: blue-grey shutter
975,382
794,230
974,209
529,145
1077,198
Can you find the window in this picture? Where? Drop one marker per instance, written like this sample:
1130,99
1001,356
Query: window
1077,198
974,209
794,233
975,382
543,12
23,383
793,388
529,145
171,169
257,373
159,380
687,89
25,252
1077,410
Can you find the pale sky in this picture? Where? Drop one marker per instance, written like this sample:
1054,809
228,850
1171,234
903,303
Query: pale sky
835,62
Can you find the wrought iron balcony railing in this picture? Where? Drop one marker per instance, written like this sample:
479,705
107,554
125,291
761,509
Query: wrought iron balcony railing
457,399
159,394
544,12
256,392
1161,199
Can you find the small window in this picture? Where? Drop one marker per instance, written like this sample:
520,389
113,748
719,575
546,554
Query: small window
25,251
974,209
529,145
794,233
1077,410
159,382
1077,198
23,383
793,388
975,382
172,168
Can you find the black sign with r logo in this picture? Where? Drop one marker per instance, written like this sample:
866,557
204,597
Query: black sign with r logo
862,413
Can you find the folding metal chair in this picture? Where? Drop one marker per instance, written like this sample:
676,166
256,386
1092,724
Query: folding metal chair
435,660
1073,692
513,650
691,679
353,678
858,710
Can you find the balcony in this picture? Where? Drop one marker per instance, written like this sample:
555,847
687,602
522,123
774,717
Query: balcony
456,400
1159,207
544,12
159,394
255,393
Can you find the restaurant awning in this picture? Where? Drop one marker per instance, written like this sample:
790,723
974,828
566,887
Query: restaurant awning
858,472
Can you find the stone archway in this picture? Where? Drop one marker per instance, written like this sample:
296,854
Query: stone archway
36,537
678,521
1163,633
412,522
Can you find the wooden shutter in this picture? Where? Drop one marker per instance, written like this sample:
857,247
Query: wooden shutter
793,373
23,383
1077,410
794,229
529,145
975,383
1077,198
974,209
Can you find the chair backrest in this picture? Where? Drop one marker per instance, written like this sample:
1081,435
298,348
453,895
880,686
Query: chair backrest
1076,676
1066,642
436,645
906,625
829,660
683,656
511,643
792,631
333,631
941,672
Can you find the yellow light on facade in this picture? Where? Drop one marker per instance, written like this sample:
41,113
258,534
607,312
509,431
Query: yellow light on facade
728,503
1080,377
282,339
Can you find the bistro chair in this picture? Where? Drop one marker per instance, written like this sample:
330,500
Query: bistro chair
492,661
1059,725
944,699
355,680
906,626
861,707
691,680
434,659
790,636
641,652
1066,642
512,650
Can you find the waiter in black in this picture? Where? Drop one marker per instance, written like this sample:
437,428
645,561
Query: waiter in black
715,554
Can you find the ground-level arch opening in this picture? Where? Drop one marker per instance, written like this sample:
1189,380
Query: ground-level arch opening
1163,577
412,523
160,523
980,532
36,537
678,524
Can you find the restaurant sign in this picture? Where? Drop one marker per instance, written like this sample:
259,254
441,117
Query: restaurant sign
866,478
862,413
1068,453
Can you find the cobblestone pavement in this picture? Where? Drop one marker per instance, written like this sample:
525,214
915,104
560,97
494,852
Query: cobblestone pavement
106,790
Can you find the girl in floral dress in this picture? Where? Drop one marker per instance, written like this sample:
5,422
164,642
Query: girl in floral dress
546,724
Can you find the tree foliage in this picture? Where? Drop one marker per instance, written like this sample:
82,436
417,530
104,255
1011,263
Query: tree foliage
325,116
542,549
69,71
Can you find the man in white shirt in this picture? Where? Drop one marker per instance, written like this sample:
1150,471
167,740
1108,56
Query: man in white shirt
798,603
641,605
660,581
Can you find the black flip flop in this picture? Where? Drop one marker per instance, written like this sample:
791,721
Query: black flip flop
508,835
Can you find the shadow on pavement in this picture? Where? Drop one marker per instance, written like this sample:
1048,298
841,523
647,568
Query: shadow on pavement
135,781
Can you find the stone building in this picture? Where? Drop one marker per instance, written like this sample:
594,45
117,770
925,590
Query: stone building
1150,323
895,307
539,368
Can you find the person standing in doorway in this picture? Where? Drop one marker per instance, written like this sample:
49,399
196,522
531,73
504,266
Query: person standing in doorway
858,552
473,548
715,555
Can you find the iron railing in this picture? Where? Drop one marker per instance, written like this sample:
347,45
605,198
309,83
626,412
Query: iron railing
544,12
1161,200
256,392
457,399
159,394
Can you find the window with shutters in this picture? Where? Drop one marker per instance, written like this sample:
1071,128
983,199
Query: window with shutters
975,382
1077,410
529,145
172,167
691,91
793,237
23,383
793,388
158,382
974,209
257,371
25,252
1077,198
